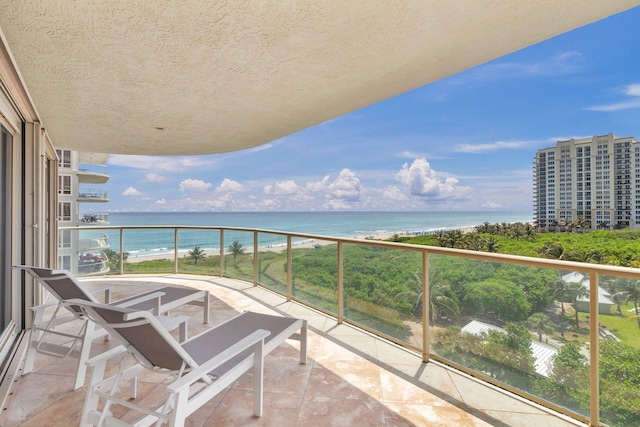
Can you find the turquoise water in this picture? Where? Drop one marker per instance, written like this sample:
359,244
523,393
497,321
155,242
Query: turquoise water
336,224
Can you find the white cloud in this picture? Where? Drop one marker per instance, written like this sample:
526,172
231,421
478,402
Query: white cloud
498,145
633,90
424,182
229,186
560,64
158,163
492,205
392,192
336,204
346,186
161,202
195,185
282,188
629,90
154,178
130,191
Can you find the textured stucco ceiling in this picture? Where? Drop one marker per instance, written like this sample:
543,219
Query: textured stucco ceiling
194,76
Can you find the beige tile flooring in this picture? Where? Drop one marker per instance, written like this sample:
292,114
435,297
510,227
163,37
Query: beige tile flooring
351,379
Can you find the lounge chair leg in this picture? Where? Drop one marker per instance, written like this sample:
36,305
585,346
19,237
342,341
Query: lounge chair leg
258,378
179,415
303,343
206,307
91,399
34,336
85,349
184,330
31,352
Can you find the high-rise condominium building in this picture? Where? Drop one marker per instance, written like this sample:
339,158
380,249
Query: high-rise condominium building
596,179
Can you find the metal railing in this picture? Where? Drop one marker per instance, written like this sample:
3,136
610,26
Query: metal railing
353,292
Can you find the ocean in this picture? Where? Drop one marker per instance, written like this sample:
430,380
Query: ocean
336,224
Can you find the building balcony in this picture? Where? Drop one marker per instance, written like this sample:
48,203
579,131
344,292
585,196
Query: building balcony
352,377
92,174
92,195
93,218
378,287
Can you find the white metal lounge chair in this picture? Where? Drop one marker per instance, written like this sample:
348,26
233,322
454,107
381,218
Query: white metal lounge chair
200,367
62,285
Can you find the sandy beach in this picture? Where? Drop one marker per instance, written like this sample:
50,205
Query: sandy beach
304,244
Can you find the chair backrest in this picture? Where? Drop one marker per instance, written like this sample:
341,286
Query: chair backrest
61,284
140,332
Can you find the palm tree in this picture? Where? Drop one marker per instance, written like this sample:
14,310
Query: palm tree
619,298
491,244
552,250
559,288
540,323
632,288
196,253
575,290
236,249
530,232
439,301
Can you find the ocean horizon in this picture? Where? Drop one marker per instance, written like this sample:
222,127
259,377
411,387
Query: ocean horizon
335,224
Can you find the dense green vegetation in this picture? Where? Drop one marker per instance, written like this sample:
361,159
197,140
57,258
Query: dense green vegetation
619,247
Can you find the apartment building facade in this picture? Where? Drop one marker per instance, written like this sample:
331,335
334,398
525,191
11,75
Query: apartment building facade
80,180
596,179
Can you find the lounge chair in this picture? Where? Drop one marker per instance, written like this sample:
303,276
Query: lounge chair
200,367
63,285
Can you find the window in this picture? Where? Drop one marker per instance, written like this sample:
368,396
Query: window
64,262
64,184
64,211
65,158
65,239
6,142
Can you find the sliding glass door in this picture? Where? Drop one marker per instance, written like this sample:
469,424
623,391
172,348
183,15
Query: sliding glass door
5,229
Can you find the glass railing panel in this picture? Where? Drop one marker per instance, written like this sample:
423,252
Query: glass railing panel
272,261
383,291
145,251
238,258
199,251
517,325
619,348
315,273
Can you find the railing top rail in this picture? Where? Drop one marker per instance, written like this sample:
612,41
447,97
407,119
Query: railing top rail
629,272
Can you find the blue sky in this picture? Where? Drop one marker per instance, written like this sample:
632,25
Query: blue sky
466,142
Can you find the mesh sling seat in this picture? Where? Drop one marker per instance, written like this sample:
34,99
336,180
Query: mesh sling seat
199,368
48,337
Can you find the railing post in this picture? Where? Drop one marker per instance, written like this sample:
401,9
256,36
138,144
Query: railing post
289,269
175,250
426,302
340,286
222,252
594,350
121,251
255,258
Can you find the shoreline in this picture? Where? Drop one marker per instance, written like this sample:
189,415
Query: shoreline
307,244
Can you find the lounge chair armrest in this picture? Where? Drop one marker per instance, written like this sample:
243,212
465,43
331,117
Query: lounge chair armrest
202,370
43,306
143,298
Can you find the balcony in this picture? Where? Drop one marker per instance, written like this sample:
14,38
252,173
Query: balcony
97,218
378,287
92,195
352,377
93,174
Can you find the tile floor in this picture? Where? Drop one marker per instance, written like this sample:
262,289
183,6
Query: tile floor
351,379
